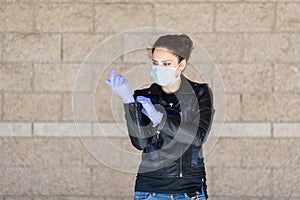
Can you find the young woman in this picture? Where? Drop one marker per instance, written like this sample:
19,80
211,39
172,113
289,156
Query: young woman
169,121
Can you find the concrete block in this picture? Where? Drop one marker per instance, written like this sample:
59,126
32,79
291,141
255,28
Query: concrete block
285,153
244,17
288,16
61,181
186,12
110,129
271,107
286,129
80,107
246,130
64,18
62,129
242,182
59,78
99,151
257,153
274,47
46,151
16,152
15,129
135,47
221,47
16,77
123,17
32,47
76,47
72,152
16,17
107,181
233,107
109,108
244,78
16,180
27,107
286,182
226,153
286,78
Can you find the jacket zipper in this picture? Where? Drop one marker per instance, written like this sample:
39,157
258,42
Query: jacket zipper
137,119
180,163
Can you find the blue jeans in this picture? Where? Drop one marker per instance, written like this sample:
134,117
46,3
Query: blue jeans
158,196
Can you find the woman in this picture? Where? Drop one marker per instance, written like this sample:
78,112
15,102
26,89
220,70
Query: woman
169,121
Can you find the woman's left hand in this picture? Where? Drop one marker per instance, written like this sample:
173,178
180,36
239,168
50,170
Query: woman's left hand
149,110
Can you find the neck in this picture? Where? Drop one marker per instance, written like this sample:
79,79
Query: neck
172,88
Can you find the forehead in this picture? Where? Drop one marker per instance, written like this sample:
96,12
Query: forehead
163,54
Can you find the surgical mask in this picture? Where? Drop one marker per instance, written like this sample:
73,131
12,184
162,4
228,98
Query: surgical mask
163,75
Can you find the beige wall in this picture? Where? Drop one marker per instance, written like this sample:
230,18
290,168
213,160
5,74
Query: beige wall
255,44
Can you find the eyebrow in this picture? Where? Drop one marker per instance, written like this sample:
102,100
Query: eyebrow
162,60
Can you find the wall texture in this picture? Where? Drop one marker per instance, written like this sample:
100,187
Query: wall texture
254,43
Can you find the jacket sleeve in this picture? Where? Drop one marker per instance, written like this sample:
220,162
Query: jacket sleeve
193,124
139,126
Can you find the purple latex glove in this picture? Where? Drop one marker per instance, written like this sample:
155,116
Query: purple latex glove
149,110
120,86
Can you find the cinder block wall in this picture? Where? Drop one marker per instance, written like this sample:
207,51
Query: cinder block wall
254,43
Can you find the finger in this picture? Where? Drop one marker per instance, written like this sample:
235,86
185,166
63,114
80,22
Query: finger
141,99
112,75
145,100
107,81
118,80
144,111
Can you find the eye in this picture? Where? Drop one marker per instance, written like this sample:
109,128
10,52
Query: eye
167,64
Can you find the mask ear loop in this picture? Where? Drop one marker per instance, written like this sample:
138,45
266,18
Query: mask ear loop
177,67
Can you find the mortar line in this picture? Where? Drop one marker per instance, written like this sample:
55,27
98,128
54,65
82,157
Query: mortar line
2,46
116,32
92,182
272,130
34,14
61,48
153,14
94,18
61,107
273,77
32,77
32,91
272,183
275,16
214,17
2,107
242,110
32,129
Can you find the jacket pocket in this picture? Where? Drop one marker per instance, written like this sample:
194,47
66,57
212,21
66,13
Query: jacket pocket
195,160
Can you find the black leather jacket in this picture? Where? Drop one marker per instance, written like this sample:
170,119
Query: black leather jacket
174,147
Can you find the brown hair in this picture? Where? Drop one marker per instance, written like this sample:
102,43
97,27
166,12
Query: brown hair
180,45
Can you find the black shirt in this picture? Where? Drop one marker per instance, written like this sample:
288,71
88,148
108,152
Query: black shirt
176,185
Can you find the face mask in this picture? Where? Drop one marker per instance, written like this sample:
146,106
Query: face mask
164,76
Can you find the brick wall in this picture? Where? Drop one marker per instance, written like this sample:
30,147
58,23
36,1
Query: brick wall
255,44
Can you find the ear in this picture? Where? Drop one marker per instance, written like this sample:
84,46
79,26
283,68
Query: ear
181,67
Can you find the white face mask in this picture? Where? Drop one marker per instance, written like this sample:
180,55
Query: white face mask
163,75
